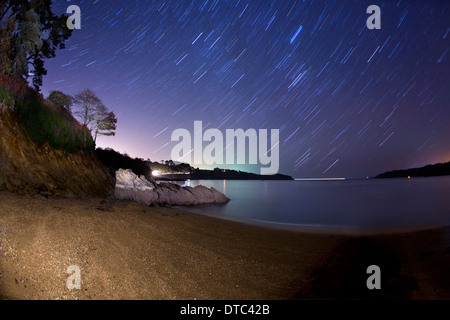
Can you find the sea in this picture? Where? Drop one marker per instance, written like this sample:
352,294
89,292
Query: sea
336,205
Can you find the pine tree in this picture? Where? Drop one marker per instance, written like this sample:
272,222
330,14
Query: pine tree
27,42
106,125
30,34
6,48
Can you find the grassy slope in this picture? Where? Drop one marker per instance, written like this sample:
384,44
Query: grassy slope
43,121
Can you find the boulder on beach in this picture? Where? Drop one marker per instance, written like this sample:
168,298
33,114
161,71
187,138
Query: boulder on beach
126,179
139,189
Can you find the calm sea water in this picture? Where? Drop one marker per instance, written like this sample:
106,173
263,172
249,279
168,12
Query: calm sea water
361,205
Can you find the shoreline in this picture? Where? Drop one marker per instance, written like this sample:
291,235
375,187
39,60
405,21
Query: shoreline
129,251
315,229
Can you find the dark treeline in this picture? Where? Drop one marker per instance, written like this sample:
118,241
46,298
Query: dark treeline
114,161
440,169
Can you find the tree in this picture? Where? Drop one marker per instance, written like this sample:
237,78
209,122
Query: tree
61,100
27,42
6,49
31,34
87,106
106,124
92,114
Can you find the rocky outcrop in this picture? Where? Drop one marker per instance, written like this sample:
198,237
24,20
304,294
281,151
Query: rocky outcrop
29,168
126,179
139,189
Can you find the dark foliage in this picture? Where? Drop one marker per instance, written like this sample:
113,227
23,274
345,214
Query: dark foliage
114,161
440,169
32,34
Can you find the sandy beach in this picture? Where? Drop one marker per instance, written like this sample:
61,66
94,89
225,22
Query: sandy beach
129,251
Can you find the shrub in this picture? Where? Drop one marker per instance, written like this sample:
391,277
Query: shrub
16,87
6,97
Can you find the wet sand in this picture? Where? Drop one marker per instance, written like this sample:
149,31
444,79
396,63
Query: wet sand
129,251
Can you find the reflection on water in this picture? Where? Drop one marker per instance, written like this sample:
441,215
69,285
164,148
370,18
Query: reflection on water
361,204
187,183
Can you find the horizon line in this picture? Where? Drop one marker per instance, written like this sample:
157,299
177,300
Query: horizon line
320,179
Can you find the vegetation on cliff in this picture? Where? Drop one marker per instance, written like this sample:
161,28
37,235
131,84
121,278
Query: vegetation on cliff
31,168
43,148
30,33
43,121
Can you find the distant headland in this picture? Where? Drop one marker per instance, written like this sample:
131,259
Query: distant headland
221,174
170,171
431,170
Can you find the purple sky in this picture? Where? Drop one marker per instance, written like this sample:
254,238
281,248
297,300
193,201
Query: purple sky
349,101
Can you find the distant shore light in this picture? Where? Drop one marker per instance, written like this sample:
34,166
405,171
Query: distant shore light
155,173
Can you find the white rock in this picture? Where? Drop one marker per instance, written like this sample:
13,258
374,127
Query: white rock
131,187
126,179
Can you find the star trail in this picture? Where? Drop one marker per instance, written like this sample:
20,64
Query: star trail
349,101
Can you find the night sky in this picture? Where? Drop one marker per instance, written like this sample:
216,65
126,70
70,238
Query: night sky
349,101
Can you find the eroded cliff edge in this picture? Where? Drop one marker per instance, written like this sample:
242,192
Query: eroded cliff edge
28,167
45,151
